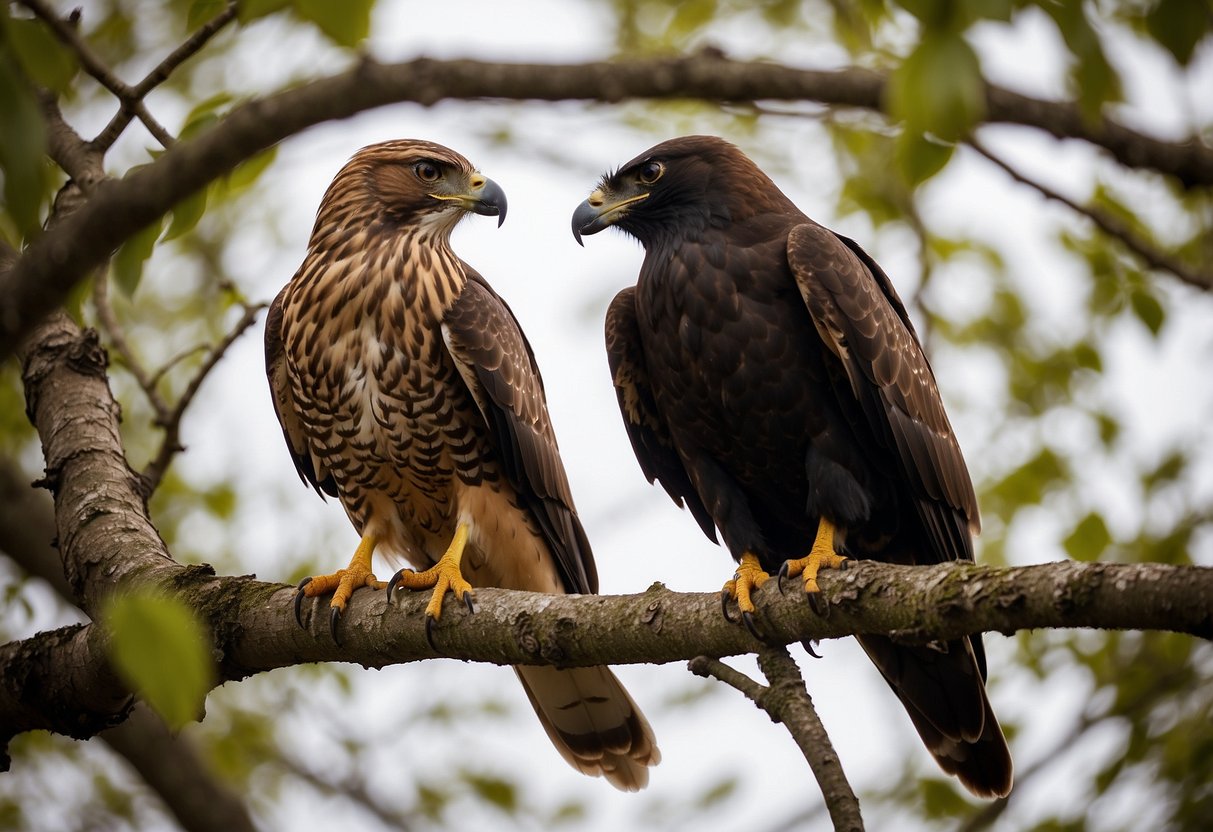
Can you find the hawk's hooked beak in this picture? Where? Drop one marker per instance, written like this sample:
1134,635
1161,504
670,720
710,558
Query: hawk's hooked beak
600,211
483,196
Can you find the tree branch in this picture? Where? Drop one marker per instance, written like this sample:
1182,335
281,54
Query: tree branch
108,543
154,472
174,770
131,100
1109,225
169,763
40,280
786,701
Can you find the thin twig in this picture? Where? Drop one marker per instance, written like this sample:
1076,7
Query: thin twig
1108,224
787,702
89,61
352,788
171,444
131,100
116,334
162,71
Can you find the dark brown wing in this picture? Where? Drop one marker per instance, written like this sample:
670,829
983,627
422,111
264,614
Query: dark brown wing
646,427
499,369
861,320
310,470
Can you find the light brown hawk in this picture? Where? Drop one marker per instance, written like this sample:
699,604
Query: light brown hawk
406,389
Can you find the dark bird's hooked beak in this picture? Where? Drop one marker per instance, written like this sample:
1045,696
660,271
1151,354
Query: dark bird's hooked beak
600,211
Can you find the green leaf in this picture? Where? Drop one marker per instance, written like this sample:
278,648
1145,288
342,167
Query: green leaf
1089,538
250,170
919,157
252,9
346,24
127,265
186,214
1086,356
691,16
45,61
22,149
938,88
203,10
1168,470
1148,310
500,793
158,646
1179,25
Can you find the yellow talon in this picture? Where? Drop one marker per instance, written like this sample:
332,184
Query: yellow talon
748,577
343,582
822,555
442,576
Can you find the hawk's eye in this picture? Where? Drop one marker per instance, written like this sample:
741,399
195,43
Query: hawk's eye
426,171
650,172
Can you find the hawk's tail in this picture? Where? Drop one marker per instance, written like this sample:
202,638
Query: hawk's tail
942,689
593,723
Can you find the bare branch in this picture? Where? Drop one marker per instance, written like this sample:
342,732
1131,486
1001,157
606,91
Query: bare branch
1108,224
106,138
52,264
154,473
130,99
176,771
117,337
786,701
90,62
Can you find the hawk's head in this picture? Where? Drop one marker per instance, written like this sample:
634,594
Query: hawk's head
409,183
682,186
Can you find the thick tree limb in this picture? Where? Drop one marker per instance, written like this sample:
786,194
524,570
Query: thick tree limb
48,269
169,763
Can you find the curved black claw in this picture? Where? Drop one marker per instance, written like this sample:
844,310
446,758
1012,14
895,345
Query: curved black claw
783,573
808,646
724,606
470,600
299,596
395,582
334,617
748,620
819,604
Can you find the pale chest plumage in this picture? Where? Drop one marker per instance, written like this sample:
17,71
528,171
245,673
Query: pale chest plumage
378,393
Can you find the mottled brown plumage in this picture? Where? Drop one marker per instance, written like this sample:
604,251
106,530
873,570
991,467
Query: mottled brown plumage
770,378
406,389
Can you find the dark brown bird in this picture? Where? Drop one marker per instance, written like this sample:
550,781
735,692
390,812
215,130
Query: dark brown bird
770,378
406,389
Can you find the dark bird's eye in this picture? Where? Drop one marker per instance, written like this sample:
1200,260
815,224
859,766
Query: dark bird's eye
426,171
650,172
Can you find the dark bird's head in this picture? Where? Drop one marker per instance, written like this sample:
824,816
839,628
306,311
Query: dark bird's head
681,187
411,183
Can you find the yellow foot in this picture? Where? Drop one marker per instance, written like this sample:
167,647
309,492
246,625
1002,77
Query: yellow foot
341,583
821,556
444,576
748,577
